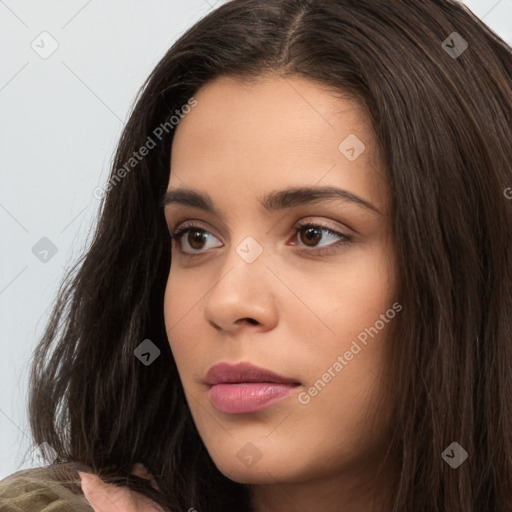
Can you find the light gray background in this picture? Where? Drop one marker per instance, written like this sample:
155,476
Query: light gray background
61,118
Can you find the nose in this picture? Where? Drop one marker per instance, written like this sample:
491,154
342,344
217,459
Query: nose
243,295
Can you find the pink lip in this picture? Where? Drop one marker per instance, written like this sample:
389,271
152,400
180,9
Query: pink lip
243,388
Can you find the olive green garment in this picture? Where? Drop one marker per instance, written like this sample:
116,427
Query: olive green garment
54,488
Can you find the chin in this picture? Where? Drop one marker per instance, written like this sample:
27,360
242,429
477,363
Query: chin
249,475
265,471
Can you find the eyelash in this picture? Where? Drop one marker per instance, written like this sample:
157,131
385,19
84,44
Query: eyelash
344,242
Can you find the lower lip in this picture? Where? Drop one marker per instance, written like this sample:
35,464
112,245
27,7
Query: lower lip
239,398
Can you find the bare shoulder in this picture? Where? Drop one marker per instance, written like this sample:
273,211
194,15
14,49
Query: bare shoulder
55,487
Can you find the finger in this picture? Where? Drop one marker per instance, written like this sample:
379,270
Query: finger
105,497
139,470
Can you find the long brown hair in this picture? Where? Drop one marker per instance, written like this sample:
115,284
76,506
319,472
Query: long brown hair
437,85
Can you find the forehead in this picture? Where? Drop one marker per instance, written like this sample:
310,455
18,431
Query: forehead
271,133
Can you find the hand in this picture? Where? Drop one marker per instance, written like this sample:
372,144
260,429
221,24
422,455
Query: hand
105,497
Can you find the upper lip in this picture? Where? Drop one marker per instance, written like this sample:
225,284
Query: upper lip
243,372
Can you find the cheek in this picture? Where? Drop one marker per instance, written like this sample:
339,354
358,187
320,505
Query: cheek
333,304
181,302
347,352
348,298
175,315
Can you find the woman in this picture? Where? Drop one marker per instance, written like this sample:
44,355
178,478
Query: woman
298,295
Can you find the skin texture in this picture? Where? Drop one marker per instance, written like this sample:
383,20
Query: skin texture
291,310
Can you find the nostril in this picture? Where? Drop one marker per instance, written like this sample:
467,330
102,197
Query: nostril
215,326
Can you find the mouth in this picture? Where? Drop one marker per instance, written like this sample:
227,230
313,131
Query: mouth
243,388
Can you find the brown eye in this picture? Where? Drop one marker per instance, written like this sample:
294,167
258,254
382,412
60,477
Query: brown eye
195,238
310,235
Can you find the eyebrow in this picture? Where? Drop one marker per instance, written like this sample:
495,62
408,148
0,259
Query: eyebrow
276,200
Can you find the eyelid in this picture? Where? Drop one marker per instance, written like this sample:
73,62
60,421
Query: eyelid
178,224
179,221
345,239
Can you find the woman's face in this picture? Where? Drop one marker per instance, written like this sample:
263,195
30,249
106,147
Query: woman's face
312,305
